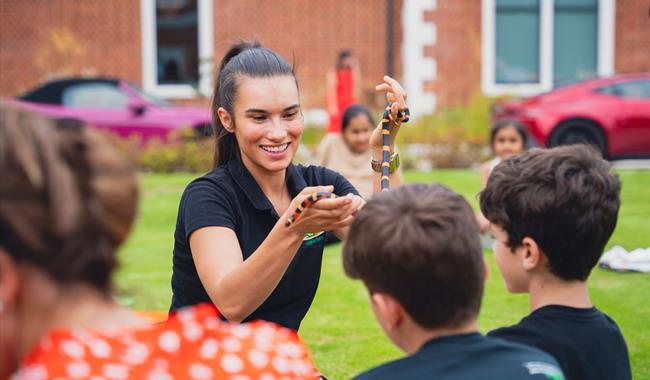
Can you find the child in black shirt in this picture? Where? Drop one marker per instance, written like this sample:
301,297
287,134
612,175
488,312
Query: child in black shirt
552,213
417,250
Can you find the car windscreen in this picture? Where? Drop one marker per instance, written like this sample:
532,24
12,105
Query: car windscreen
94,95
149,98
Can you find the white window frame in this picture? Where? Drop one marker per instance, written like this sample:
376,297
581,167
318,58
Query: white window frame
149,57
605,39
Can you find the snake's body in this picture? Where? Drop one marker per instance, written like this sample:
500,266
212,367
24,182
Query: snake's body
386,121
310,200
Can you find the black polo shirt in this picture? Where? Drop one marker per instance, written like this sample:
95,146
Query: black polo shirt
229,197
469,357
586,342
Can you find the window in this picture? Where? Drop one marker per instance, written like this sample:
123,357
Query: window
94,95
530,46
575,43
635,90
177,40
517,36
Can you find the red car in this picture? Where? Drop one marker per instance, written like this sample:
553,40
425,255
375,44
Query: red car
612,114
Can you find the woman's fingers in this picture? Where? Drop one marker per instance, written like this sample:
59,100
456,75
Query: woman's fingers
343,223
394,92
332,203
317,189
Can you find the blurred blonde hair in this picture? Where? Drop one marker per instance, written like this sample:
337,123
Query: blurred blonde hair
68,199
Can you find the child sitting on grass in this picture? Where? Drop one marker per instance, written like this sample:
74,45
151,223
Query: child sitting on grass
552,213
416,248
507,138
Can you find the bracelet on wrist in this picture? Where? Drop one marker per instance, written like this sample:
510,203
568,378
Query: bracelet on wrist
394,164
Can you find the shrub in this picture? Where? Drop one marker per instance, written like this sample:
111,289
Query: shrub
183,152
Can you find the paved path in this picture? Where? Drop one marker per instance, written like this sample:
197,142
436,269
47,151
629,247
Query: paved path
636,164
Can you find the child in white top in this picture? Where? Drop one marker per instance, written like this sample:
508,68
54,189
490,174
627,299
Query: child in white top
349,153
507,138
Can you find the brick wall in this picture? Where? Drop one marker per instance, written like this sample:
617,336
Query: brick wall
42,39
314,31
457,51
632,40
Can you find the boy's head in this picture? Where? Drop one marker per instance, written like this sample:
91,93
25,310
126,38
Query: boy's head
554,210
418,245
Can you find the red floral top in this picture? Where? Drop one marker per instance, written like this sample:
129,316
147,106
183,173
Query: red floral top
193,344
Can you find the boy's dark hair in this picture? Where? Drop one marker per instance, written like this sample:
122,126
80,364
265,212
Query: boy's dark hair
420,244
563,198
519,127
353,111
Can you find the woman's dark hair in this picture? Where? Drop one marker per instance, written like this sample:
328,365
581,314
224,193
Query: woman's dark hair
68,199
343,54
249,59
352,112
518,126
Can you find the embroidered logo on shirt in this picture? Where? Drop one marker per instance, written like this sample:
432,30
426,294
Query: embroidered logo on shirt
313,237
538,368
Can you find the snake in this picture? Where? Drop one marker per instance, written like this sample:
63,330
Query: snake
386,120
308,202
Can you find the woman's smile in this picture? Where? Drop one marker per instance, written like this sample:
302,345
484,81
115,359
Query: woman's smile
276,150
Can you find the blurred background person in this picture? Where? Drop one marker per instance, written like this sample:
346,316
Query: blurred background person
67,202
342,87
507,138
349,153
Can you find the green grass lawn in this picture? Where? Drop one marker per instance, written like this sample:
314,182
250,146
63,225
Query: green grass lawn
340,330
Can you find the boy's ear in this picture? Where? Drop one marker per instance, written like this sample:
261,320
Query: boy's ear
389,311
226,119
531,254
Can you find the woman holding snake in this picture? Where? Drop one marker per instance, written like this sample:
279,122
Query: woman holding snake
232,243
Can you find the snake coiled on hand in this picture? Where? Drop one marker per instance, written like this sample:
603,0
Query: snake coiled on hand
386,120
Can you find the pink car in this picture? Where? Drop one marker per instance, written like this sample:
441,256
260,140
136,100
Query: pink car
612,114
116,106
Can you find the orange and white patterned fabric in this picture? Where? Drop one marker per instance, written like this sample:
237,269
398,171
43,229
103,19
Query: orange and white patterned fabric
193,344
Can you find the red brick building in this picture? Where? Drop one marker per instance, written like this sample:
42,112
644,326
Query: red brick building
519,47
444,51
42,39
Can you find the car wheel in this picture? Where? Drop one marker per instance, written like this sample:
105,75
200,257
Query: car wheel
579,132
203,131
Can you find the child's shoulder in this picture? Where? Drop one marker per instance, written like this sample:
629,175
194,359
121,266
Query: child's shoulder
556,325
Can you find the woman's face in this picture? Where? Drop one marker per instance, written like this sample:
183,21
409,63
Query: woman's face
508,142
357,134
268,121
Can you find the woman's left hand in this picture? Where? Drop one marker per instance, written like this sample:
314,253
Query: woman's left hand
396,97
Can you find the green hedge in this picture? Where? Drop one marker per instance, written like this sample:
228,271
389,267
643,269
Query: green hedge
450,138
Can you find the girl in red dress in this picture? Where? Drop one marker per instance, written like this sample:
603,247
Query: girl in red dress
342,87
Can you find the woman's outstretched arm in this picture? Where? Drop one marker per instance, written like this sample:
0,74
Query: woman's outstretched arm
237,286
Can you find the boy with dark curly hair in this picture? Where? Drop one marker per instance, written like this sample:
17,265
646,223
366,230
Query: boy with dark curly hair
552,213
416,248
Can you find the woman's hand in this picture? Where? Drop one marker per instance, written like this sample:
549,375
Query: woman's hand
324,215
396,97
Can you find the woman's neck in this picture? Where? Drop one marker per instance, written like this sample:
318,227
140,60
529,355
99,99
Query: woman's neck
47,306
273,184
